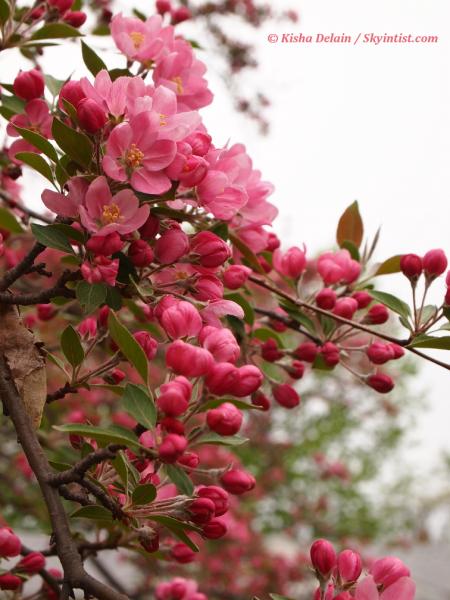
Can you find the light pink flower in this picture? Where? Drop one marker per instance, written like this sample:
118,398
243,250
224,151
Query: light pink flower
140,40
67,205
403,589
135,154
103,213
219,308
338,267
112,96
37,118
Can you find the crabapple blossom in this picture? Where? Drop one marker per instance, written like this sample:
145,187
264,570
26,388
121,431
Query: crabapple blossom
29,85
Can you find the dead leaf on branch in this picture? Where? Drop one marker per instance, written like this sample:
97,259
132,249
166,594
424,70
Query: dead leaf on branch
25,361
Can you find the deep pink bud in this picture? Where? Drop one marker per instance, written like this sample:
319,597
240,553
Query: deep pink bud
397,351
349,566
380,382
323,557
182,553
273,242
447,296
148,539
212,251
296,369
10,544
150,228
237,482
189,460
180,14
140,253
171,246
188,360
163,6
270,352
172,425
250,379
221,343
208,287
117,375
345,307
330,354
226,419
202,510
105,245
222,379
218,495
61,5
72,92
91,115
29,84
214,530
434,263
379,353
199,142
88,328
286,396
377,315
362,298
291,264
326,298
45,312
411,266
261,400
307,351
76,18
236,276
387,570
32,563
147,343
8,581
172,401
172,448
181,320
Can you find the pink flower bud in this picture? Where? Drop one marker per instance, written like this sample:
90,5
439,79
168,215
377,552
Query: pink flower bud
172,448
147,439
214,530
147,343
330,354
180,14
323,557
270,352
349,566
250,379
326,298
411,266
182,554
199,142
345,307
117,375
218,496
290,264
103,315
10,544
171,246
273,242
307,351
380,382
362,298
447,297
188,360
296,369
379,353
201,510
45,312
434,263
397,351
221,343
140,253
76,18
388,570
61,5
105,245
377,315
286,396
181,320
163,6
225,420
29,84
8,581
237,482
165,303
208,287
222,379
211,250
88,328
236,276
172,425
148,539
91,115
72,92
189,460
172,401
32,563
150,228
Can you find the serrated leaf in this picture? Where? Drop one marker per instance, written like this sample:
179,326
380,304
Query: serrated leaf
39,142
91,59
74,143
52,237
128,346
110,435
143,494
55,30
181,479
9,222
350,226
219,440
95,512
392,302
137,403
91,295
391,265
71,346
36,162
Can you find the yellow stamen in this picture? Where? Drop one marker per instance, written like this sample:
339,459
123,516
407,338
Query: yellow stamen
134,157
111,214
162,120
137,38
179,83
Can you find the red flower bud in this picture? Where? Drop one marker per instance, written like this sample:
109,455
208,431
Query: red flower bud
380,382
273,242
326,298
236,276
147,343
345,307
307,351
61,5
225,419
190,460
149,539
296,370
76,18
201,510
150,228
105,245
188,360
379,353
270,352
286,396
180,14
172,448
199,142
163,6
45,312
362,298
140,253
10,544
32,563
434,263
72,92
29,84
182,553
237,482
171,246
218,496
323,557
387,570
117,375
330,354
260,399
214,530
377,315
411,266
91,115
211,250
349,566
8,581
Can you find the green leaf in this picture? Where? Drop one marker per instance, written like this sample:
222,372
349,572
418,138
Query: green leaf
137,403
143,494
249,314
12,103
54,85
71,233
247,253
95,512
264,334
113,298
4,11
91,59
177,528
91,295
56,30
128,346
40,142
121,467
438,343
52,237
9,222
219,440
392,302
74,143
221,229
181,479
71,346
350,227
110,435
278,597
428,312
36,162
350,246
390,265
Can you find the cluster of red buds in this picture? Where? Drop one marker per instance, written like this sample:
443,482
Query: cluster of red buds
30,564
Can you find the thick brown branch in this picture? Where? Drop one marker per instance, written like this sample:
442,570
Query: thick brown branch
42,297
79,470
21,268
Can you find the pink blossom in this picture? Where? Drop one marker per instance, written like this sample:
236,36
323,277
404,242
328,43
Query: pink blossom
67,205
140,40
291,263
112,96
37,118
134,153
102,269
403,589
338,267
103,213
221,343
219,308
181,320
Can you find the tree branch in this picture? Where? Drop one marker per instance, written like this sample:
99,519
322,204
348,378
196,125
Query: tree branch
79,470
289,323
22,268
45,296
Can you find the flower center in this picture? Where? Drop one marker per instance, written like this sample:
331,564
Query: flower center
179,83
162,120
111,214
137,38
134,157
